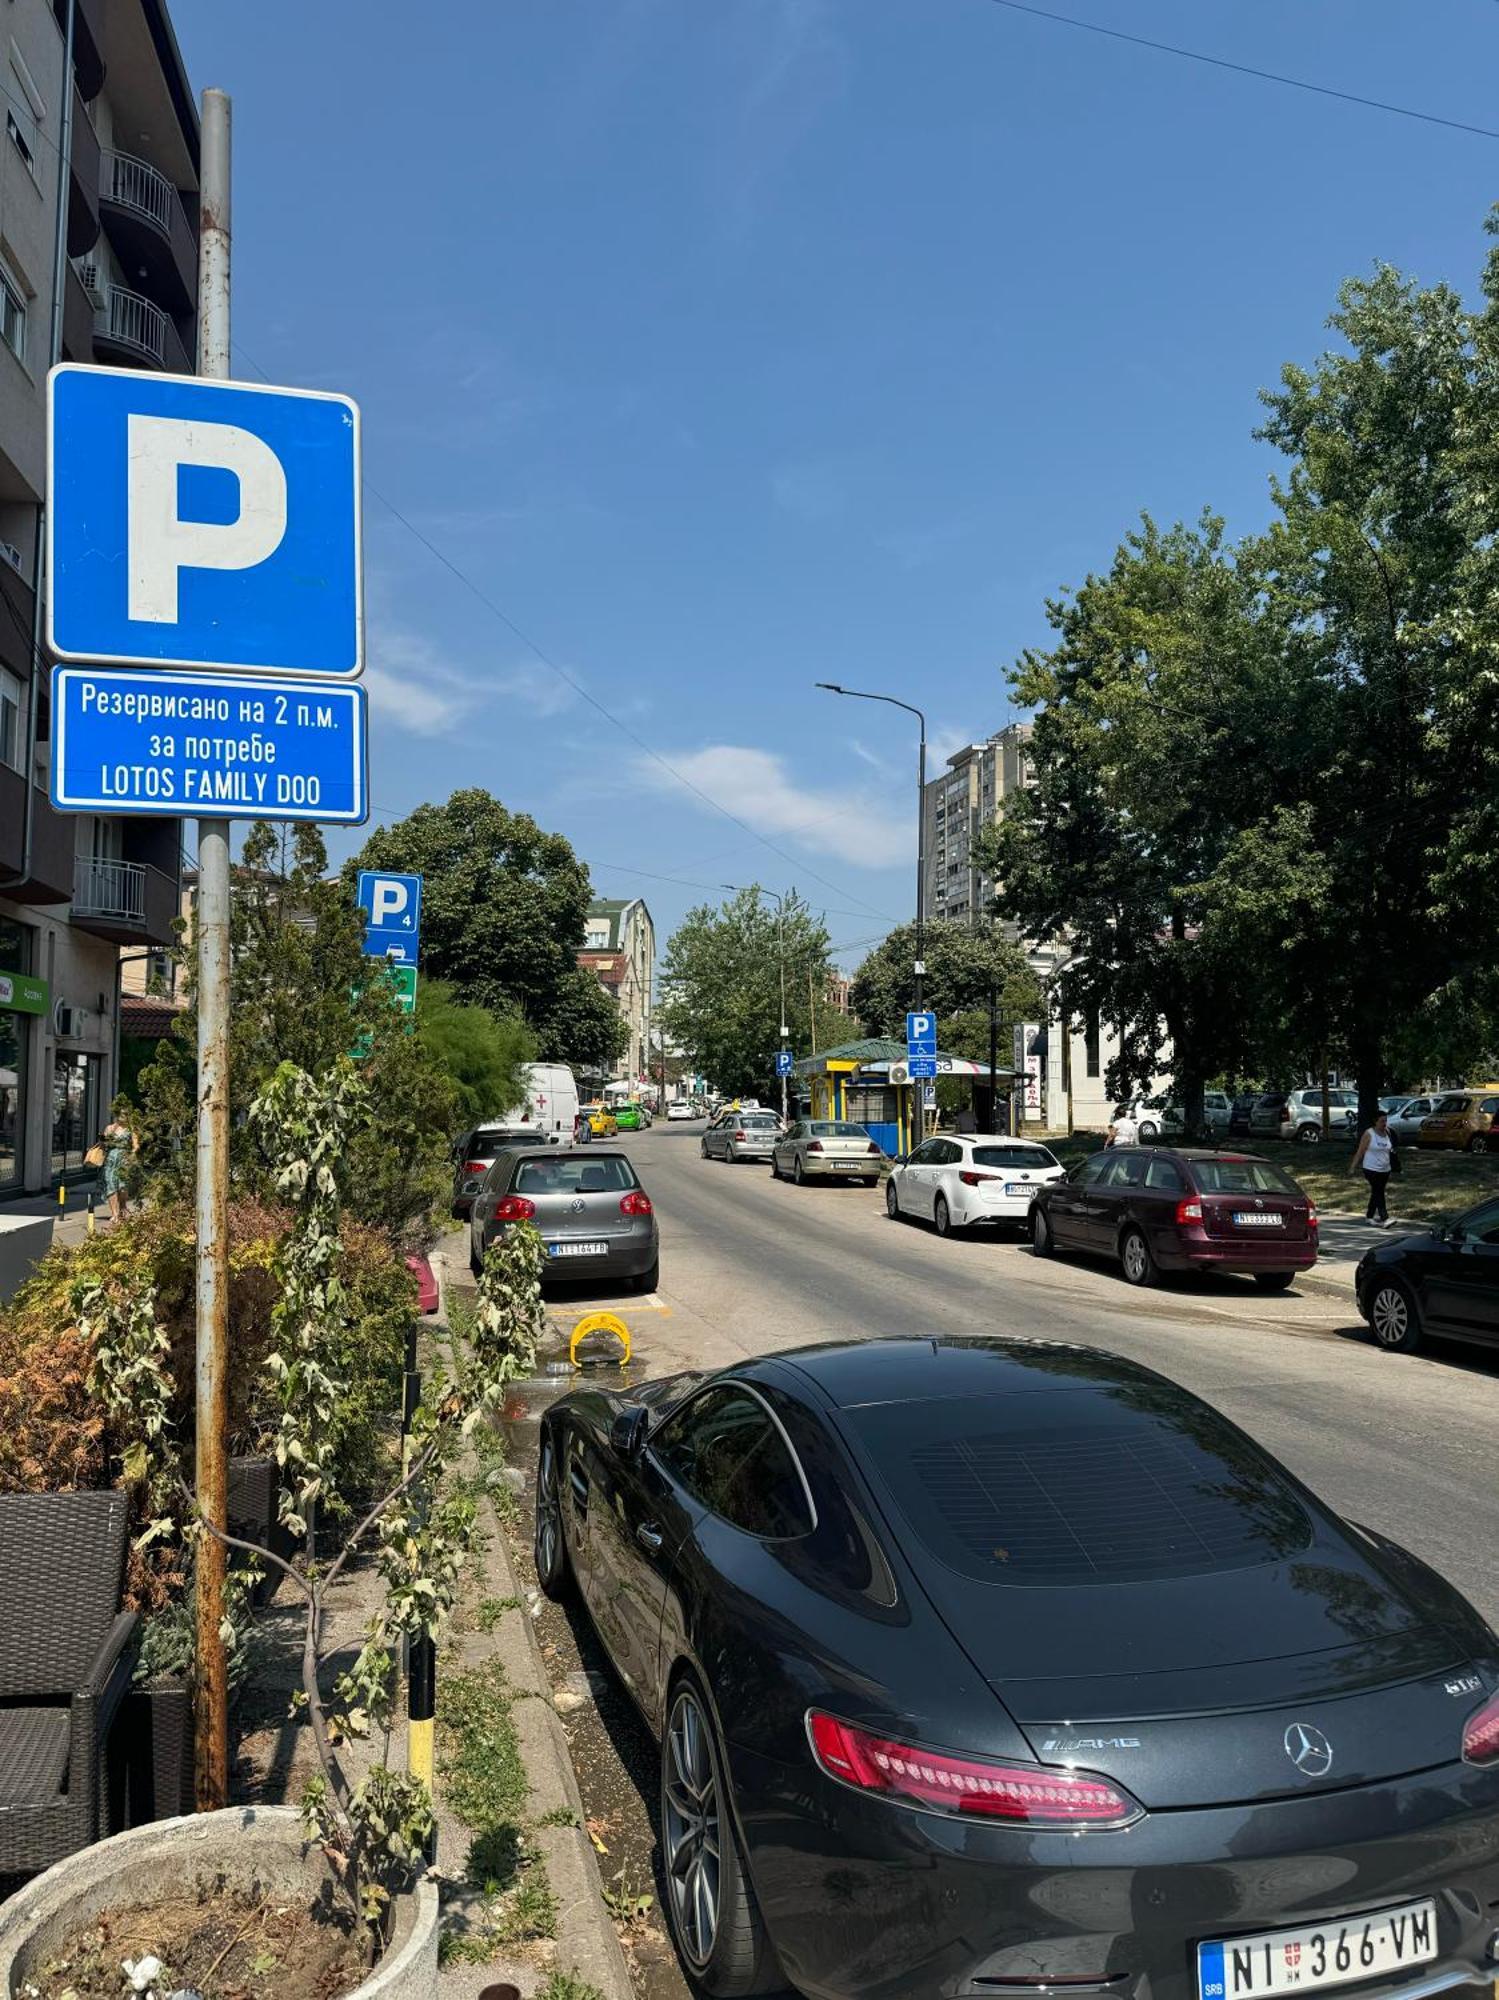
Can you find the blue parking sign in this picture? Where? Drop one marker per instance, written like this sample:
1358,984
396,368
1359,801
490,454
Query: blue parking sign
784,1060
921,1034
197,523
393,912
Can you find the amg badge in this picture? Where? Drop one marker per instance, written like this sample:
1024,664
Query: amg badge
1070,1746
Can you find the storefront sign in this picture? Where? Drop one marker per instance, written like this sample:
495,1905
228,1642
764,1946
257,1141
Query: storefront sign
22,994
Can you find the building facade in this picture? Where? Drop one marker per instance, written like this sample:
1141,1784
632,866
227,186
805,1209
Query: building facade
75,889
619,949
969,796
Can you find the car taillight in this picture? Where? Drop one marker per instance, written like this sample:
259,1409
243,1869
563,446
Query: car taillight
969,1787
635,1203
475,1166
971,1179
740,1135
514,1208
1311,1216
815,1146
1481,1734
1188,1211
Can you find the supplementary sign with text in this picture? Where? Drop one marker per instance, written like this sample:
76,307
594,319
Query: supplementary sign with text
173,743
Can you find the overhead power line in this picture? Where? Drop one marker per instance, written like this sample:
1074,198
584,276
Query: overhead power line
1246,69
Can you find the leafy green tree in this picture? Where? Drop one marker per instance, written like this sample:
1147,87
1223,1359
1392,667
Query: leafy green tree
481,1054
1375,575
503,908
721,985
963,965
302,991
1155,707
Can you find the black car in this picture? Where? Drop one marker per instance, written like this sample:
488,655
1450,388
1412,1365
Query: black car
988,1667
476,1152
1444,1280
1238,1113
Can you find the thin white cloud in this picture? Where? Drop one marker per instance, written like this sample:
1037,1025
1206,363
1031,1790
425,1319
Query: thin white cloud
412,682
857,824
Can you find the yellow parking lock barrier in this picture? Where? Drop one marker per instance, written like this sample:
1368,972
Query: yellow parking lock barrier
599,1322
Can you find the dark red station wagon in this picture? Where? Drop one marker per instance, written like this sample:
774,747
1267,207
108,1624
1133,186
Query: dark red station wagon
1158,1210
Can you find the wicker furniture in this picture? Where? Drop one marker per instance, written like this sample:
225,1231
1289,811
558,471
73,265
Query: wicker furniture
66,1656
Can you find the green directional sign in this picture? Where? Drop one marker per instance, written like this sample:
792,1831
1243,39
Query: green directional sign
402,982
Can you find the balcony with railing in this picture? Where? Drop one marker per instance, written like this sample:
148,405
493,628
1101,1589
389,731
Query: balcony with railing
127,902
132,328
149,228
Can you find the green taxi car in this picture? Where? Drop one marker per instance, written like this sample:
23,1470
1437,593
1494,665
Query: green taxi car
627,1117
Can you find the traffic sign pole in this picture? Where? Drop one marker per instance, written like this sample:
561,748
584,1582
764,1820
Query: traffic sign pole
211,924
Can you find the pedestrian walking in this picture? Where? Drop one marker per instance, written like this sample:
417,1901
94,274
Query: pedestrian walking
1376,1155
119,1144
1123,1131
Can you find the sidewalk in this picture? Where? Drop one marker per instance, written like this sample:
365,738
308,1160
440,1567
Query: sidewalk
1344,1240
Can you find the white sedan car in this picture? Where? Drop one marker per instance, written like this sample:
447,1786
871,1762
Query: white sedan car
966,1177
677,1110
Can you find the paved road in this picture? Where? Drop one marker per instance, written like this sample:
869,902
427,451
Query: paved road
1407,1443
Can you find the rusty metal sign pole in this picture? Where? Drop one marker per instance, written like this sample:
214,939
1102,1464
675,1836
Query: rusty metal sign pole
212,929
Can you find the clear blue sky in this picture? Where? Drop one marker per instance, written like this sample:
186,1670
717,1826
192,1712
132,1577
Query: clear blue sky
731,345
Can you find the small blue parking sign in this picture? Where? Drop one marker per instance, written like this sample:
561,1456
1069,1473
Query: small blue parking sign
197,523
784,1060
921,1034
393,907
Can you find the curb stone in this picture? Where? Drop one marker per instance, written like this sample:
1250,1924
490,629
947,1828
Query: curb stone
587,1944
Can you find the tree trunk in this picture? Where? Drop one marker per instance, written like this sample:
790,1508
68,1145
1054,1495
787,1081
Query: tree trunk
1369,1055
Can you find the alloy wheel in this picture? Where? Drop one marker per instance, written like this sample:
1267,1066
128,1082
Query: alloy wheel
941,1216
691,1829
1136,1258
548,1513
1390,1316
892,1200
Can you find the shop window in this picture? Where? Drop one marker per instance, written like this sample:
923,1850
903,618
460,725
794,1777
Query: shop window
77,1113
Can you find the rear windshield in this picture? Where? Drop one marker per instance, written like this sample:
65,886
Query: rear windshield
757,1121
607,1173
828,1128
1450,1104
1081,1486
1242,1177
494,1140
1014,1156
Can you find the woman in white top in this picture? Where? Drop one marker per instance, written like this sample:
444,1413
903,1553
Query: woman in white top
1375,1155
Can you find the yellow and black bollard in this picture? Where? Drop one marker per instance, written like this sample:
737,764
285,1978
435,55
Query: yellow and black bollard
421,1717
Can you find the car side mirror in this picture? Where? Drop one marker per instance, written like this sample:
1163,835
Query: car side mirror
627,1432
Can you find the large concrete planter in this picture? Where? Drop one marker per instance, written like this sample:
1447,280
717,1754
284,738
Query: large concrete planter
247,1844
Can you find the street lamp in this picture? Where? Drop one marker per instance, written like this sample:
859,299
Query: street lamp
858,694
780,903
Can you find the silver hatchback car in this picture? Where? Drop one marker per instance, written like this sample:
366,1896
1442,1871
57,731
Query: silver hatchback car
593,1215
742,1135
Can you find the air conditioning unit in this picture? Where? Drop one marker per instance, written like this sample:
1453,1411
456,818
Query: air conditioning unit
12,555
900,1072
91,277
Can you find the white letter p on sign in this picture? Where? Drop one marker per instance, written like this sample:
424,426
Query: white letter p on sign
160,543
389,901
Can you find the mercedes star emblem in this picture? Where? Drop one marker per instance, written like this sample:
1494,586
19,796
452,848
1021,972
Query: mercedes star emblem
1309,1750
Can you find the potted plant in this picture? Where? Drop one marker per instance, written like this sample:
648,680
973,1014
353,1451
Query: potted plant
347,1869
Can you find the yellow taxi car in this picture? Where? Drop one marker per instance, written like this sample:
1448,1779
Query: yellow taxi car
1467,1119
600,1120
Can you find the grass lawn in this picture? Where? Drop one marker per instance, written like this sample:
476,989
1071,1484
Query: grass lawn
1430,1183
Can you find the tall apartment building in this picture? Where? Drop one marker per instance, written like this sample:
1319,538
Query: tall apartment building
619,949
75,889
969,796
